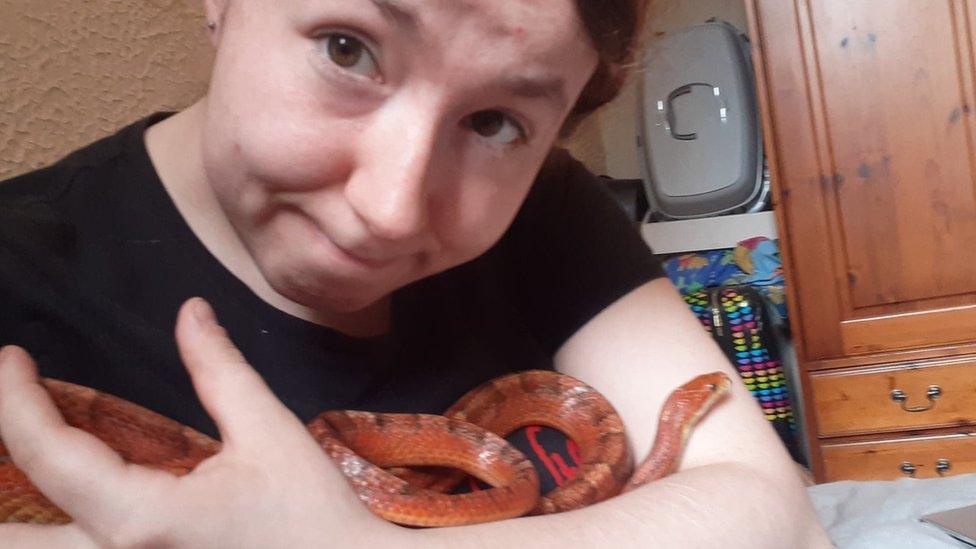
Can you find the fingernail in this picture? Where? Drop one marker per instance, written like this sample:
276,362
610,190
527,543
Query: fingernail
203,312
5,353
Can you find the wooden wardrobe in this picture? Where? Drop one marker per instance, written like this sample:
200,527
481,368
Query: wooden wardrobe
868,115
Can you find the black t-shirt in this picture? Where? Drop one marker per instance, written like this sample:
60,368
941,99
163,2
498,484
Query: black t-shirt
95,261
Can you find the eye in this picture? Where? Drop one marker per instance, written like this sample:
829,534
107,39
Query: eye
497,126
351,54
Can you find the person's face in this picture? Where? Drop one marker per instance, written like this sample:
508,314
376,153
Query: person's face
359,145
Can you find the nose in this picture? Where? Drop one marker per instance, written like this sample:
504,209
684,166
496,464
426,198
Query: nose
389,190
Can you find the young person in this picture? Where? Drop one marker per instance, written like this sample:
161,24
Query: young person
369,199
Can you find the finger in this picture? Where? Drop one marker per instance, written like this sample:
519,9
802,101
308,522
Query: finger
30,536
242,405
74,469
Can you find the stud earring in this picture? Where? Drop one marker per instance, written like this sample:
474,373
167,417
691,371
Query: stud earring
211,25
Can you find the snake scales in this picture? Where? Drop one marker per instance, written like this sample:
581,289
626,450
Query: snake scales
468,438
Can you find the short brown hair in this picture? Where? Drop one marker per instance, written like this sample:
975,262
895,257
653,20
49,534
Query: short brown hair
614,28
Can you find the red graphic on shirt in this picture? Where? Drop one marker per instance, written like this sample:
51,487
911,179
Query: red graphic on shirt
530,433
573,450
554,462
568,471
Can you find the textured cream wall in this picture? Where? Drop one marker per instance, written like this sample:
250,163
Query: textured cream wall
72,71
607,144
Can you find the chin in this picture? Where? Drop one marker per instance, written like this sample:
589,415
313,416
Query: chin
325,296
325,293
345,304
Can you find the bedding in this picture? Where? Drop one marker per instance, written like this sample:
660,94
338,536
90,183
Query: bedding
884,514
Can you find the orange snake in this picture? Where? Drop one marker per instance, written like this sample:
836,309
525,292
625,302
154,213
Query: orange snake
462,439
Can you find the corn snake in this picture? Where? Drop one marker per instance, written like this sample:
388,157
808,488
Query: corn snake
463,438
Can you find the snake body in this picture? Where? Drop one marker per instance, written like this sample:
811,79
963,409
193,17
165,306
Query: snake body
374,450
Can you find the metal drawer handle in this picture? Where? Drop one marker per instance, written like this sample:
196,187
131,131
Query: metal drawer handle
942,466
908,468
933,393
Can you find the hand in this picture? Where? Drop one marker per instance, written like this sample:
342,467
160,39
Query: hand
270,485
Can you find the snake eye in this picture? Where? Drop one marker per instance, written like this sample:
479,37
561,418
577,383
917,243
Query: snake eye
712,387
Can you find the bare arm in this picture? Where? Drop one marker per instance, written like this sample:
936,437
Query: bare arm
271,485
737,486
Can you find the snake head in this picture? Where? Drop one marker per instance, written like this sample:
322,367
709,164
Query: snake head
715,382
695,398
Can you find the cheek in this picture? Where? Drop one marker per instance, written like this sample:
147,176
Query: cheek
266,123
280,148
474,219
290,154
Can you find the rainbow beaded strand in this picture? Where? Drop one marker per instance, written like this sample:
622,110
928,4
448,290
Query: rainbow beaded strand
762,374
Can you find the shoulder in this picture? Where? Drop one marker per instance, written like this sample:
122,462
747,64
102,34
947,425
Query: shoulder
29,219
100,158
83,185
571,251
560,165
33,216
562,182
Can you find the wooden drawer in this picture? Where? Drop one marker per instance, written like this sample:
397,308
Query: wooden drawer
884,460
859,401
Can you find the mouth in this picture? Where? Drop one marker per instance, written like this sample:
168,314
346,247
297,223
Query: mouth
362,256
363,260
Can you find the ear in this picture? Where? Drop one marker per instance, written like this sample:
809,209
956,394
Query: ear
215,11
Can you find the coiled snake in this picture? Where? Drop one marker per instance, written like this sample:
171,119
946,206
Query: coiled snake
467,438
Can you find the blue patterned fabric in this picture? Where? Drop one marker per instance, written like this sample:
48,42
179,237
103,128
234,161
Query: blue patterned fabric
755,262
694,272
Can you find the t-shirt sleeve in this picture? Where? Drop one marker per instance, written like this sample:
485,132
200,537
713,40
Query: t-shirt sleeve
571,252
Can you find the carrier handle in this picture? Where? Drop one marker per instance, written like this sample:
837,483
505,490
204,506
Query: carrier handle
678,92
723,108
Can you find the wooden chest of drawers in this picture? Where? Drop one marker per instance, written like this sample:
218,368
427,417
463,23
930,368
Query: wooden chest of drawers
913,419
870,132
895,397
920,456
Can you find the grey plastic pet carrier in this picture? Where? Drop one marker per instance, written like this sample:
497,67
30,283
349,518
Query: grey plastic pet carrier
699,135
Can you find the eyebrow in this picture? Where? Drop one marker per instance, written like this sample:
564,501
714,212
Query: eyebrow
548,87
397,12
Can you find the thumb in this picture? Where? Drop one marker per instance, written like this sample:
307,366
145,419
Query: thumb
231,391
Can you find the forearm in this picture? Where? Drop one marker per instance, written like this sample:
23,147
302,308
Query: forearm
717,505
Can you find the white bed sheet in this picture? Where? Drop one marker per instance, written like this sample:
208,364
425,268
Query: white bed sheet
884,514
